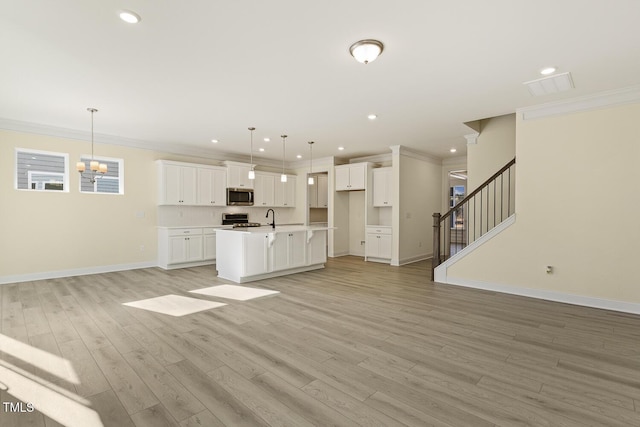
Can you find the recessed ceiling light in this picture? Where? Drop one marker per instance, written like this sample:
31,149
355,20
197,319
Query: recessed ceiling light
340,148
267,139
215,141
453,150
299,156
548,70
372,117
130,17
260,149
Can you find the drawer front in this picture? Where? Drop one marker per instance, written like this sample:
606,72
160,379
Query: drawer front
185,232
379,230
209,230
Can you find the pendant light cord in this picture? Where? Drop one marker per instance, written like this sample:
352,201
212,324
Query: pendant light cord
91,110
283,138
252,129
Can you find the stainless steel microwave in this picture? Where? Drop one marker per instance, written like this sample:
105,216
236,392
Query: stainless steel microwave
239,197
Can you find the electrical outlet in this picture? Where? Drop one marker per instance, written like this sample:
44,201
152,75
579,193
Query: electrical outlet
362,242
141,248
549,269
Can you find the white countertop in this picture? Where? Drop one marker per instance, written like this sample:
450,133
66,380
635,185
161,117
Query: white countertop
221,227
279,229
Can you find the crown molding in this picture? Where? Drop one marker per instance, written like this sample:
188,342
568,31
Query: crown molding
611,98
455,161
472,138
376,158
408,152
172,148
321,162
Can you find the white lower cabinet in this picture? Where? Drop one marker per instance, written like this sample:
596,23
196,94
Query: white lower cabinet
209,247
378,244
186,247
255,253
288,250
317,248
251,256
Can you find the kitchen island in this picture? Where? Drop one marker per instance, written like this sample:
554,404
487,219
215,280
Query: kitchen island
248,254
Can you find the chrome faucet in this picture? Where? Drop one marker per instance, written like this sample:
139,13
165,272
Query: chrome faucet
273,224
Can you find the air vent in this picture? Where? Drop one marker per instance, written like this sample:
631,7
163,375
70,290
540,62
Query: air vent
551,84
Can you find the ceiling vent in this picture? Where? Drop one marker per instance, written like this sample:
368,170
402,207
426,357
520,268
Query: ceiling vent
552,84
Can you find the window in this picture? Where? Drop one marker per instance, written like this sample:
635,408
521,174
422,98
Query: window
111,182
41,170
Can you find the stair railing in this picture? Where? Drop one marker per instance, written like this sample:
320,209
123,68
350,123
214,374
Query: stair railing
484,208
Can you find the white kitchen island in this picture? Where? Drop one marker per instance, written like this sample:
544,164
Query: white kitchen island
248,254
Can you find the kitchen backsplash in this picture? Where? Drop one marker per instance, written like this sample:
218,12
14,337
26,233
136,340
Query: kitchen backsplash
188,216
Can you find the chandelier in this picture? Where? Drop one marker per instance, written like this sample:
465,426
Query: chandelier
96,169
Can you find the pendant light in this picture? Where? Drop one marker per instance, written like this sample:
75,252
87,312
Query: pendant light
252,173
283,177
94,165
310,181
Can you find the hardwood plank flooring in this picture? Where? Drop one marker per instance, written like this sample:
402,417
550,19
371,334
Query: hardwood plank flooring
353,344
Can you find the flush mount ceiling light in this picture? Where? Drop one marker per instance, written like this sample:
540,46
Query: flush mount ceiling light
340,148
372,117
267,139
453,150
215,141
129,17
366,51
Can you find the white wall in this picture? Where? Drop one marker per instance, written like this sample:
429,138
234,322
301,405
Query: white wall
574,173
356,217
495,147
419,196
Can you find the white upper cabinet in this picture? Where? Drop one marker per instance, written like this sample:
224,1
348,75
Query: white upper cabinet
192,184
238,175
212,186
285,192
264,190
382,187
351,177
177,183
319,191
323,191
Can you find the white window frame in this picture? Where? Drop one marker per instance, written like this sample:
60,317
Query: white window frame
65,174
102,159
31,175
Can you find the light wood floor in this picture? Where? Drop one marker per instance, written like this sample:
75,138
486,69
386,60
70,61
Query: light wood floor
354,344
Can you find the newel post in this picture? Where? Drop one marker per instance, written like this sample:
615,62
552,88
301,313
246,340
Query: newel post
435,261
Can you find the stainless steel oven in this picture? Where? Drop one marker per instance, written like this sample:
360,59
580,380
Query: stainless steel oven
239,197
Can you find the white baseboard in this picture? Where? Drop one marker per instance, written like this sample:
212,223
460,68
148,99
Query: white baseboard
339,254
606,304
411,260
74,272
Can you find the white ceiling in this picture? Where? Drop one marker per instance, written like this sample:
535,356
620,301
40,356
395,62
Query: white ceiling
195,70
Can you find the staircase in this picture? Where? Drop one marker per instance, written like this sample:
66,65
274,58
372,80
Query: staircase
481,211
